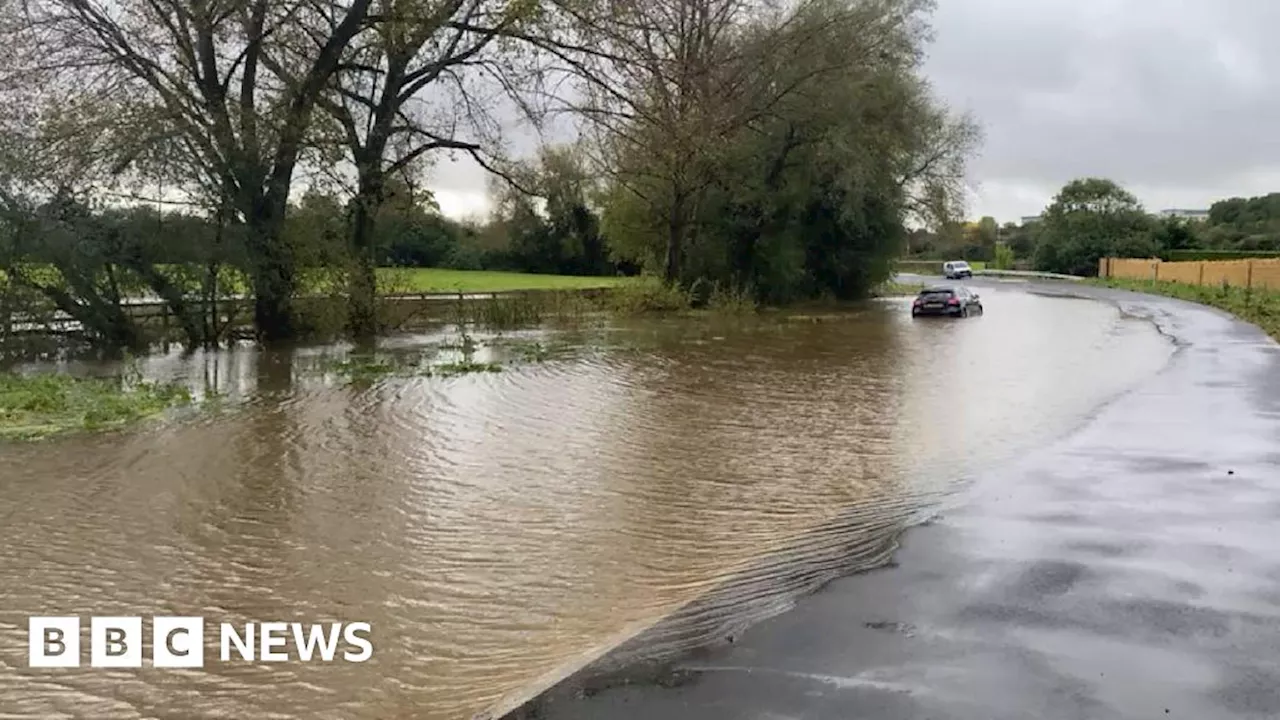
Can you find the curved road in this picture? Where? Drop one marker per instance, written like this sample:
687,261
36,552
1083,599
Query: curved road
1131,570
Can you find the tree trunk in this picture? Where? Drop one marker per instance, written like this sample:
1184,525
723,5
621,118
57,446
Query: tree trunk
212,331
370,188
363,288
675,238
273,270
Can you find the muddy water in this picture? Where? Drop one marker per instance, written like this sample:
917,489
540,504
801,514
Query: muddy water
499,530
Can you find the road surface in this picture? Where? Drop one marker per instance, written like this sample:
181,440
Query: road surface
1131,570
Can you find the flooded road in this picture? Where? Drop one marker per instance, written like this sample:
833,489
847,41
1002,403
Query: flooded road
501,530
1127,570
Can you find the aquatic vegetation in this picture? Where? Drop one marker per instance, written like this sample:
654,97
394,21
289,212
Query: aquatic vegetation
42,405
361,368
893,289
464,367
534,351
367,368
652,296
731,301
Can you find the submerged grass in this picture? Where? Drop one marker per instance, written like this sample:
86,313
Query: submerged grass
637,297
532,351
444,280
1260,307
893,289
366,369
33,407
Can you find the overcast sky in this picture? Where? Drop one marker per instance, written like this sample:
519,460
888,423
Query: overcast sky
1179,100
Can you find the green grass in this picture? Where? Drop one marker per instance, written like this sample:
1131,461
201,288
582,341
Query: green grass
40,406
893,289
367,369
1260,307
390,280
481,281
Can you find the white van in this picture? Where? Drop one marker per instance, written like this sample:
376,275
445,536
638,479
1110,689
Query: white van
956,269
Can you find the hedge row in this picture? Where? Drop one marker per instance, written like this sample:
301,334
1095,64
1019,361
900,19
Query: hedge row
1194,255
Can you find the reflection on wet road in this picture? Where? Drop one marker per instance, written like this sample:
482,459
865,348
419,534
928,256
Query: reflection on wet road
500,530
1127,570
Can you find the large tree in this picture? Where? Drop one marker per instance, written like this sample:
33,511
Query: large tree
833,144
661,82
549,219
408,88
187,89
1091,218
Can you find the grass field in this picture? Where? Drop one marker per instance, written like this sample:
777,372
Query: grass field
402,280
468,281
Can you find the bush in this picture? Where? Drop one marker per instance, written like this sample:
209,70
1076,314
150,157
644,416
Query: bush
649,296
1194,255
1003,259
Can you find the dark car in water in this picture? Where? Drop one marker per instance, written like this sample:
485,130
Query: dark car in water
951,300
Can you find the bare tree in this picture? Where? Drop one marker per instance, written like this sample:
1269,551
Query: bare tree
403,93
647,78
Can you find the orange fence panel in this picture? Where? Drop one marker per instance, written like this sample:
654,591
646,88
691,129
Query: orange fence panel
1262,273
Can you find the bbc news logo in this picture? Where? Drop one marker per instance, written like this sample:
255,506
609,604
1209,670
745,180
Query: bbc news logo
178,642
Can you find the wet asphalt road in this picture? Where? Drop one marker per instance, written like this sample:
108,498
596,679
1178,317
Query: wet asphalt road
1131,570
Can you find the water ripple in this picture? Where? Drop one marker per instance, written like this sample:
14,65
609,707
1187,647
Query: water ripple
649,491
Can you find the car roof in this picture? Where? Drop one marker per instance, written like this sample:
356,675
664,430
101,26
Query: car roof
938,288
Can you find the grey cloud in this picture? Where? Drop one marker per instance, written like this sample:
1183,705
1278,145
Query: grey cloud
1179,99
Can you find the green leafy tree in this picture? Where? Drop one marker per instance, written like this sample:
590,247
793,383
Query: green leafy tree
988,235
409,230
553,227
810,193
1003,258
1244,224
1175,234
1091,218
1021,239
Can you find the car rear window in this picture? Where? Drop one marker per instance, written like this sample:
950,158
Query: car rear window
937,294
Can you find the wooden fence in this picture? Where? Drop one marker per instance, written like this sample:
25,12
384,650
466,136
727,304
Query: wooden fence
1256,273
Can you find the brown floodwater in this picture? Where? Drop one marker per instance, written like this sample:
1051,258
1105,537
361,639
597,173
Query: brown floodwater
501,530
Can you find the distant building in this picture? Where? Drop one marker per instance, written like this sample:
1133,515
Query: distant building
1195,215
1029,219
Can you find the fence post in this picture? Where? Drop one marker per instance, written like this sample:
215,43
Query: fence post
1201,280
164,326
1248,282
1155,272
